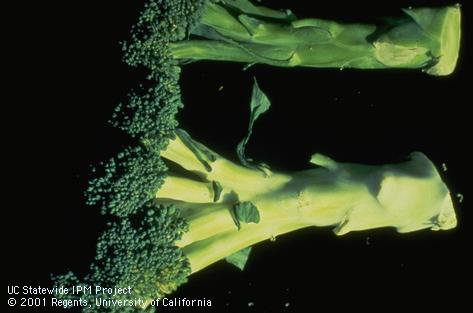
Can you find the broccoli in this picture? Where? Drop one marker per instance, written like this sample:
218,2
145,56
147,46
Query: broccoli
182,208
175,206
237,30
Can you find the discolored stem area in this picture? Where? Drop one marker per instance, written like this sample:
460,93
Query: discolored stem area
424,38
350,197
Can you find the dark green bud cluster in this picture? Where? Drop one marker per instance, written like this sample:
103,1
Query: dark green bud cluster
129,181
137,252
161,22
151,115
138,248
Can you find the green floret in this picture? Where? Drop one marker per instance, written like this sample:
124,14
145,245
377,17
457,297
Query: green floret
128,183
140,253
132,178
161,22
151,115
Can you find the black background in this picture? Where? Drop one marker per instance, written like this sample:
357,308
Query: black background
66,75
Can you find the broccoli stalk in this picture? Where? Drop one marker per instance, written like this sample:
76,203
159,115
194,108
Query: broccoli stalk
348,196
239,31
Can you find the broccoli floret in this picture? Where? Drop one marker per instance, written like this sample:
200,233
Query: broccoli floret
138,252
130,180
160,23
150,114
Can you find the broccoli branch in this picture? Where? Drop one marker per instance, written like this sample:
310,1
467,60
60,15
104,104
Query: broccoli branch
236,30
349,197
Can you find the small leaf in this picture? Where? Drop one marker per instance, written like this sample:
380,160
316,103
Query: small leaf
202,153
249,8
245,212
259,105
217,188
240,258
323,161
207,32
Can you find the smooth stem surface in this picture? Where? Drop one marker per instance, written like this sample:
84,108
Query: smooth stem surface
408,196
427,38
310,199
237,181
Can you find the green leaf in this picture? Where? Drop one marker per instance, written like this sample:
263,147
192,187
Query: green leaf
245,212
240,258
259,104
217,188
247,7
202,153
207,32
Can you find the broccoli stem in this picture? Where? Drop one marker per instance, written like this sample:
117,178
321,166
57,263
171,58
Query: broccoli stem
350,197
426,38
184,189
232,177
